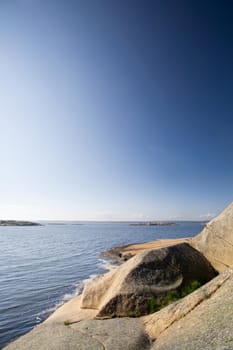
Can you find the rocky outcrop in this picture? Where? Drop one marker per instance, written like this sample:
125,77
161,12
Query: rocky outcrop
142,284
124,253
202,320
215,242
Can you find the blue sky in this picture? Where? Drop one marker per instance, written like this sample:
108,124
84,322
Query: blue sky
115,110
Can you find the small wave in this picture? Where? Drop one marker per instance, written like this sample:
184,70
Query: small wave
41,316
78,287
76,290
106,265
91,277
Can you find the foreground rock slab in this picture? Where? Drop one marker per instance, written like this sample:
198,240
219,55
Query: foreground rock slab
55,337
139,285
115,334
127,334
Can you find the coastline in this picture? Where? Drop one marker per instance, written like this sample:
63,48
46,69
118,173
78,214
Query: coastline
79,259
70,311
101,318
71,325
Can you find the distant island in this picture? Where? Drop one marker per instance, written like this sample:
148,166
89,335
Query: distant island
154,223
18,223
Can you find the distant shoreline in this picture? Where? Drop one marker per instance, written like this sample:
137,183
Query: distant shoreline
154,223
18,223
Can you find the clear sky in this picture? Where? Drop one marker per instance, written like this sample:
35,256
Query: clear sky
115,109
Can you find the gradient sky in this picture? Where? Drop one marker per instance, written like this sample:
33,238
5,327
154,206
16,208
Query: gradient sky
115,109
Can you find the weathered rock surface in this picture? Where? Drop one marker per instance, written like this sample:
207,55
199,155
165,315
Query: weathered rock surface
115,334
158,322
127,334
148,277
215,242
55,337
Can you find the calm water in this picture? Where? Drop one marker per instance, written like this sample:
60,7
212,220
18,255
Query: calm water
41,267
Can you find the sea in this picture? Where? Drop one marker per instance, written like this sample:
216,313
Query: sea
42,267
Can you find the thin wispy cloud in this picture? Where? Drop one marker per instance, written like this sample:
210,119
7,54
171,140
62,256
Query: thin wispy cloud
209,215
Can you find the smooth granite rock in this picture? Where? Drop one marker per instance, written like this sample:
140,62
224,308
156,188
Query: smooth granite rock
127,334
55,337
215,242
132,288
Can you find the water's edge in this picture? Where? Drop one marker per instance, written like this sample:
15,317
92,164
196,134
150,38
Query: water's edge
44,267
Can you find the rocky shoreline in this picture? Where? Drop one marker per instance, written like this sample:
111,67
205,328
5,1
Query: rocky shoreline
157,287
124,253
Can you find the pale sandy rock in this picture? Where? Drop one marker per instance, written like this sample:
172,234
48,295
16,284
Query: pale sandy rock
71,312
127,291
216,240
55,337
124,253
92,297
114,334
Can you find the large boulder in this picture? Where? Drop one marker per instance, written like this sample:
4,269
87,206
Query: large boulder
144,283
215,242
